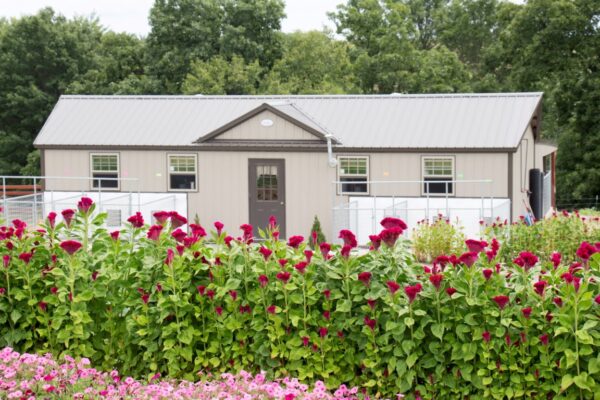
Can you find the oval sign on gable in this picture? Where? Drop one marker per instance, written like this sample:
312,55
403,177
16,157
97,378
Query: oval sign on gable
266,122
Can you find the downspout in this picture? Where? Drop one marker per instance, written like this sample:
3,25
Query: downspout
331,159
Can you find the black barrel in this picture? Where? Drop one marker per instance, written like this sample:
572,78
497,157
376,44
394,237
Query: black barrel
536,187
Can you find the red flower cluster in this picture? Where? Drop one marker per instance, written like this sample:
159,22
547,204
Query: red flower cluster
70,246
364,277
295,241
412,291
348,238
476,246
501,301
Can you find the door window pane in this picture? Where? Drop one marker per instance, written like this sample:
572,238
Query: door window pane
266,183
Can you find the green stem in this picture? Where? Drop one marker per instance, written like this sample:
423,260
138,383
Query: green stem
304,300
576,327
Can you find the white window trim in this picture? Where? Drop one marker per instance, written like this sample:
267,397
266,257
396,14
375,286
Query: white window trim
169,172
452,176
118,172
340,175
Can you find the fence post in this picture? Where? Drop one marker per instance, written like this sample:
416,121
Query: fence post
129,205
4,200
447,211
427,208
35,207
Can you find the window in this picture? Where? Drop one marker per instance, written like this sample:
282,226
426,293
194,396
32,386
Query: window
182,172
113,217
438,171
105,166
355,171
266,183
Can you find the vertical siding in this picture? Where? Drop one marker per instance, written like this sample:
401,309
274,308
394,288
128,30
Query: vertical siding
523,161
280,130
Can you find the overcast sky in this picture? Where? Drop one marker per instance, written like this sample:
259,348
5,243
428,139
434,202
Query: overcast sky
132,15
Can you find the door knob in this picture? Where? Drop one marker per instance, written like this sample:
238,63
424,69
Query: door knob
281,203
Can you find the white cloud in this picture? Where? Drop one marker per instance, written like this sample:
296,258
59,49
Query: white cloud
132,15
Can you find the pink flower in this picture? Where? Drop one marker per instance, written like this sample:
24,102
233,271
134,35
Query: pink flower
323,331
154,232
375,241
487,274
177,234
372,303
539,287
597,299
115,235
544,339
326,314
586,250
393,287
529,259
177,220
501,301
247,232
201,289
2,291
43,306
228,240
305,341
391,222
197,231
371,323
170,257
390,236
233,295
468,258
476,246
412,292
210,294
136,220
558,301
161,217
486,336
450,291
263,280
327,293
348,238
84,204
364,277
25,257
219,310
283,276
219,227
6,260
51,219
526,312
345,251
325,249
555,258
68,216
301,266
436,280
266,253
308,254
145,298
295,241
271,309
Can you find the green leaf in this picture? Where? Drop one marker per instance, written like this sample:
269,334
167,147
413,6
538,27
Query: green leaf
437,330
408,321
571,357
344,306
581,381
584,337
593,366
411,360
567,381
15,315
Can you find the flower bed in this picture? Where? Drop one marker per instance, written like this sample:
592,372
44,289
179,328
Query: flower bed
29,375
158,299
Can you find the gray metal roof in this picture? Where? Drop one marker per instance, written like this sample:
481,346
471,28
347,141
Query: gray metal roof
457,121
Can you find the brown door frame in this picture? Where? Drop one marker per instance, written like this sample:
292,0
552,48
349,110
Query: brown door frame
282,198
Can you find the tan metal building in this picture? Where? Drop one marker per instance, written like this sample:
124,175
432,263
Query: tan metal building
241,159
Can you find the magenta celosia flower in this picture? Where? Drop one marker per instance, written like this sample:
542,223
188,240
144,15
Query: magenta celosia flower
295,241
364,277
283,276
272,222
345,251
501,301
450,291
219,310
468,258
390,236
161,217
6,260
391,222
529,259
372,303
526,312
177,220
539,287
393,287
266,253
476,246
597,299
282,262
115,235
370,323
68,216
325,249
54,290
43,306
247,233
94,275
219,227
2,291
245,309
412,291
136,220
309,255
197,231
555,258
158,287
154,232
375,242
263,280
228,240
327,293
170,257
201,289
326,315
544,339
51,219
586,250
271,309
145,298
442,261
25,257
301,266
210,294
177,234
487,273
305,341
315,238
233,295
558,301
486,336
323,331
348,238
436,280
84,204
